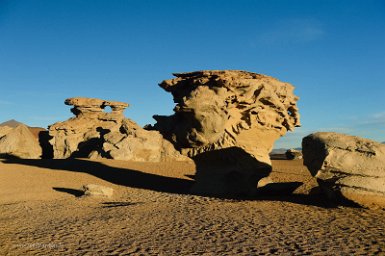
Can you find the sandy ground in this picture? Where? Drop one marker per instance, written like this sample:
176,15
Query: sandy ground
152,213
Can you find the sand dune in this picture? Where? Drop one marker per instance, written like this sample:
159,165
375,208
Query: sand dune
153,213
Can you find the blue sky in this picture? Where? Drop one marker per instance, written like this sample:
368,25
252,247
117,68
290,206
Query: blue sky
333,52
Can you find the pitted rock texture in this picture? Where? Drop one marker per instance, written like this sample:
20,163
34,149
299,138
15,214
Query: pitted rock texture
94,133
19,142
347,167
233,112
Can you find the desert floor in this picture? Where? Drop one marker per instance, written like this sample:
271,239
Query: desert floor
152,213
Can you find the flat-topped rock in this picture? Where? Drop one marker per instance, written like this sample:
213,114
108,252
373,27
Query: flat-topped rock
95,108
95,103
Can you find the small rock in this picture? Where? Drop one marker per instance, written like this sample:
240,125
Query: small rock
97,190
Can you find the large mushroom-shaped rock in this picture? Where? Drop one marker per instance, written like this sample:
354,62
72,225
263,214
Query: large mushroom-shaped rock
95,133
19,142
228,121
347,167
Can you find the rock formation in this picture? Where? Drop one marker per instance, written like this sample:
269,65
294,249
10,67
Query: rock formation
231,118
131,142
94,133
19,142
81,135
347,167
292,154
11,123
4,130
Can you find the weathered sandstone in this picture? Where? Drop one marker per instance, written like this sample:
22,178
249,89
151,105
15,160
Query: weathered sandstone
347,167
4,130
94,133
19,142
228,121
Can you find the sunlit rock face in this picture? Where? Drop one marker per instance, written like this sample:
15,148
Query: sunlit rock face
223,110
81,135
347,167
95,133
19,142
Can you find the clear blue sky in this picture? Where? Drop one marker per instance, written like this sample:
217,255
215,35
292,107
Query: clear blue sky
332,51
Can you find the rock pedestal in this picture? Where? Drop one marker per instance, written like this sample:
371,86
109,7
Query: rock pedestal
233,117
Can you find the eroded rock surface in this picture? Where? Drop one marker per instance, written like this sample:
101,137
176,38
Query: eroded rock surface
347,167
94,133
19,142
228,122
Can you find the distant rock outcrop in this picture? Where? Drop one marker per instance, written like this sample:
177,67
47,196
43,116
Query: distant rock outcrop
347,167
95,133
293,154
228,121
19,142
11,123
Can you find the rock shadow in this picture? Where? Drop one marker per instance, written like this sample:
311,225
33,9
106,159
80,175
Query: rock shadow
228,172
47,148
119,204
118,176
85,148
8,156
138,179
74,192
278,188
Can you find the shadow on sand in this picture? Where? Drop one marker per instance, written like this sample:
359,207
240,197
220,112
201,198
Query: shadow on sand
138,179
118,176
74,192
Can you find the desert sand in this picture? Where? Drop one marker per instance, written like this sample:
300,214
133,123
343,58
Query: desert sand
153,213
